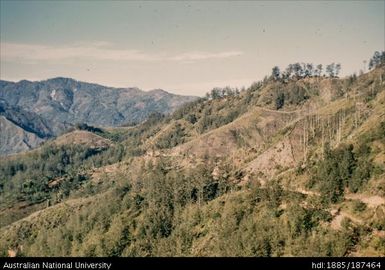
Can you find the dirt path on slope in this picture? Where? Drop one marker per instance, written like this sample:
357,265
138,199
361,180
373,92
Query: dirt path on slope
371,201
339,217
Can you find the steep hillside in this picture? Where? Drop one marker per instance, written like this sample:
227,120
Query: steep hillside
15,139
48,108
29,121
282,165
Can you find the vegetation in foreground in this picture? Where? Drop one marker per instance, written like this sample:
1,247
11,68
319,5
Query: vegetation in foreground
162,202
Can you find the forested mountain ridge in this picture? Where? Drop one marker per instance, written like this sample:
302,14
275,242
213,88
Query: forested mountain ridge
48,108
296,160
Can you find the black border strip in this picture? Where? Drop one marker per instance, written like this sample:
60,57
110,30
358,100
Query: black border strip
114,263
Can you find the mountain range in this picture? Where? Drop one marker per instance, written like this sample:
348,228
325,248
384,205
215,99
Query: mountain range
32,112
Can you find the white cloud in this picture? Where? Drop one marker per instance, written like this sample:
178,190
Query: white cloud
99,51
194,56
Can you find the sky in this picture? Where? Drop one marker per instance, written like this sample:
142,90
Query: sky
184,47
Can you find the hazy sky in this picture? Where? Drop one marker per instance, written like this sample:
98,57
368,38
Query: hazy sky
183,47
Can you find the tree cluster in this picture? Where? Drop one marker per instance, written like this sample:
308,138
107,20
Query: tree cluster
346,167
293,95
217,92
27,178
377,60
84,126
305,70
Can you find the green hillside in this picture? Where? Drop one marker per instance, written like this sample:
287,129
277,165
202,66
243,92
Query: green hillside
294,165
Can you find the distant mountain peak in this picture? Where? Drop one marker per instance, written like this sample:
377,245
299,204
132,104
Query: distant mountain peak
55,102
24,81
158,91
61,79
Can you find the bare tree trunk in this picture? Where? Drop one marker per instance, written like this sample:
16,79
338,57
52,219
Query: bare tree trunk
323,139
304,140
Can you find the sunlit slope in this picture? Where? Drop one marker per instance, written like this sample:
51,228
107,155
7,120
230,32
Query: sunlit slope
232,176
